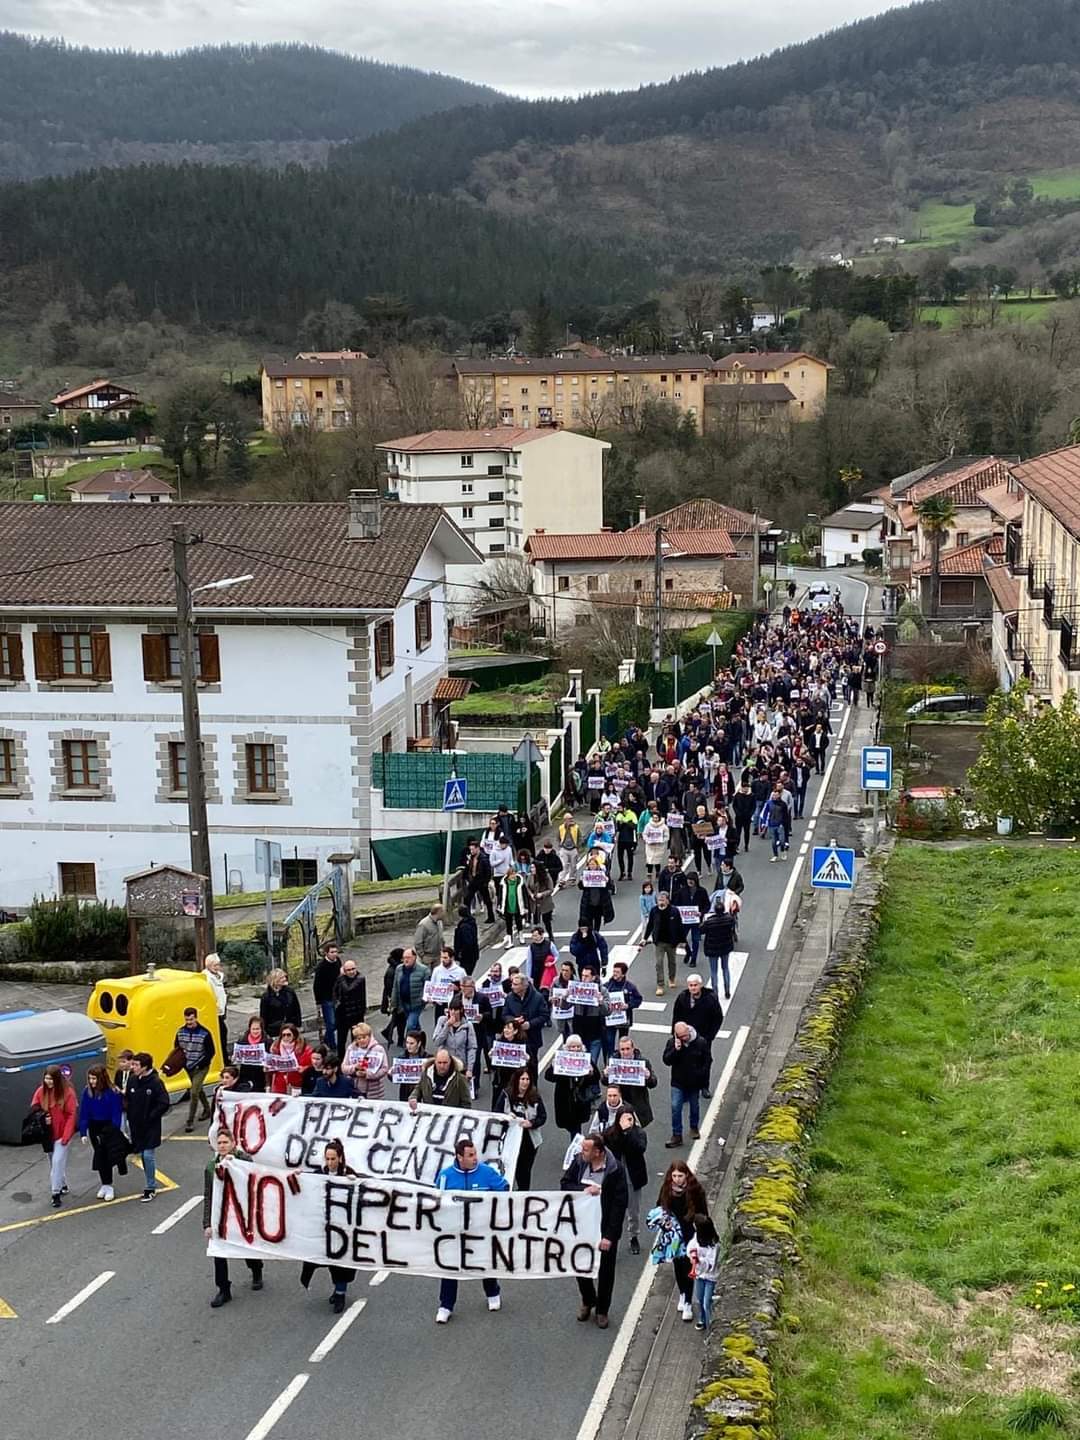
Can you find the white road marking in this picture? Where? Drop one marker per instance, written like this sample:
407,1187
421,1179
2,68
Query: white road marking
83,1295
278,1408
336,1331
651,1029
177,1215
617,1355
652,1005
379,1277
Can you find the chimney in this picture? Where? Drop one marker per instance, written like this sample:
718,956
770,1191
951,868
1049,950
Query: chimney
365,515
642,514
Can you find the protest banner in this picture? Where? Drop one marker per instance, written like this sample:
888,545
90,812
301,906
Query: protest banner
406,1071
627,1072
572,1062
689,914
438,992
383,1139
581,992
258,1214
508,1056
560,1009
594,877
675,820
248,1054
494,994
655,834
595,782
617,1015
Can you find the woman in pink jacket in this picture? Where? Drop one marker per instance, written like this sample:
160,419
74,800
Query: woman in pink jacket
57,1098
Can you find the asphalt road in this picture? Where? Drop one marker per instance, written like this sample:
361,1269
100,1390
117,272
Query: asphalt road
143,1352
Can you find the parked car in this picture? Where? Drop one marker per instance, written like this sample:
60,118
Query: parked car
947,705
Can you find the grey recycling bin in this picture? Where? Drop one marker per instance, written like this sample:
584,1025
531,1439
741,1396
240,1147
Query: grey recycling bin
31,1041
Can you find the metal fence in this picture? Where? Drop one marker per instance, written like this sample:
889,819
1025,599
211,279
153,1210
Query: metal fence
415,781
668,690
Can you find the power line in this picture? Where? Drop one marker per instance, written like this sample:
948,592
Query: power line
81,559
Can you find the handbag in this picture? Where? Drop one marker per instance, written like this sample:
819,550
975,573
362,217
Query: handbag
36,1129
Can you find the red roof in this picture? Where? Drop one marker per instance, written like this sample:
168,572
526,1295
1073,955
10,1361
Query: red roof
67,395
1054,480
130,482
636,544
962,486
963,561
1006,503
704,515
497,437
1005,589
766,360
452,687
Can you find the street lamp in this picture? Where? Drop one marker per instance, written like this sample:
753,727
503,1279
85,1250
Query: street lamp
198,826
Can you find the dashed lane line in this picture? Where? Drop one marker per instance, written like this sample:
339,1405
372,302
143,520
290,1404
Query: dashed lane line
79,1299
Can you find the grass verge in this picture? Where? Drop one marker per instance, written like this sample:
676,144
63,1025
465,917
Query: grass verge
940,1243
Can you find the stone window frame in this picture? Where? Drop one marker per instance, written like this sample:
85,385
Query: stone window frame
165,794
172,687
20,790
59,790
69,684
241,794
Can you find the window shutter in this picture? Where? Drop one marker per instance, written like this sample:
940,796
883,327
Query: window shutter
418,625
155,657
15,658
99,646
209,658
46,659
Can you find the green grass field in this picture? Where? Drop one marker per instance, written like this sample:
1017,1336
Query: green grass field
950,317
1057,184
940,224
941,1243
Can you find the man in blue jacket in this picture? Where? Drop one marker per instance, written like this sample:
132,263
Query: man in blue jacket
467,1173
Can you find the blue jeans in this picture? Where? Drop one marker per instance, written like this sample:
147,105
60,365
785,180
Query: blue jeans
678,1099
448,1292
147,1158
723,966
412,1019
329,1022
779,838
693,940
703,1293
596,1049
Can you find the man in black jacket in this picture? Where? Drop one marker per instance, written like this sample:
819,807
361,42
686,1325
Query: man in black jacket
323,981
147,1103
687,1055
478,879
666,930
198,1046
350,1002
598,1172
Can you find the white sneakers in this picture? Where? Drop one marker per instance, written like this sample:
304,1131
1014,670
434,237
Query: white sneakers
494,1302
507,942
107,1192
442,1315
101,1192
686,1309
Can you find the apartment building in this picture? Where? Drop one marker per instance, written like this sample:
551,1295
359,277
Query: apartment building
313,389
333,650
578,391
502,484
805,377
1043,553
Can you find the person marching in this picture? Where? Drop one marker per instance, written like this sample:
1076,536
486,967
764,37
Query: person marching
467,1173
225,1149
57,1099
101,1116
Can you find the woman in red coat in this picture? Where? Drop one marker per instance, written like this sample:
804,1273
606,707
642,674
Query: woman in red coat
292,1044
57,1098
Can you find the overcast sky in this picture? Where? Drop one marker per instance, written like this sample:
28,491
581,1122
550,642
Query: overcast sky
528,47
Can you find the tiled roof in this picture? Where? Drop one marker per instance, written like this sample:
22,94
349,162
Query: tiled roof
583,365
9,400
280,368
962,561
1054,480
452,687
496,437
139,481
689,600
772,393
766,360
80,390
300,555
1004,587
636,544
1007,504
704,515
961,486
852,519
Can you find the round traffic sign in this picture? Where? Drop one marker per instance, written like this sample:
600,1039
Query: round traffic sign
881,648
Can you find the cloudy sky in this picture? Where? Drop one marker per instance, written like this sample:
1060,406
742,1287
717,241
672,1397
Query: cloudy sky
528,47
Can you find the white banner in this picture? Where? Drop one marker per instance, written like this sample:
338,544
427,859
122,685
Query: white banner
383,1139
367,1225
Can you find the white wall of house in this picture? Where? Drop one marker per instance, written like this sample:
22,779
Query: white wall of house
473,494
843,546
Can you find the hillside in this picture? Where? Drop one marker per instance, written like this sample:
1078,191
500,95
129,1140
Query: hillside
64,108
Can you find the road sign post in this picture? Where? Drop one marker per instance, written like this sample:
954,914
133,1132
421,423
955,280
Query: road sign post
455,796
528,753
713,641
832,869
268,864
876,776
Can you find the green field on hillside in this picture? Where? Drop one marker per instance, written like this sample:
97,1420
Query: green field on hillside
1057,184
940,224
951,317
937,1296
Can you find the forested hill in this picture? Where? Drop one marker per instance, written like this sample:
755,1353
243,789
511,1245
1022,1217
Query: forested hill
64,108
939,55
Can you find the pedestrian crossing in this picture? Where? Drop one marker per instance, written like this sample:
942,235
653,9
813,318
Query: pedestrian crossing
736,966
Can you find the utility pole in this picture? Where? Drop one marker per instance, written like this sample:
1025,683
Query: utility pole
757,561
198,828
658,618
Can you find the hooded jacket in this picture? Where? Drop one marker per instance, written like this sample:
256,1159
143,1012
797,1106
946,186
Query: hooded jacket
613,1190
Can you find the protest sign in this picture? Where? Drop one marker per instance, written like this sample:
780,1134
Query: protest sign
280,1063
617,1014
258,1213
689,914
595,782
471,1012
572,1062
507,1056
494,994
675,820
655,834
248,1054
406,1071
382,1139
627,1072
580,992
438,992
594,878
560,1009
716,842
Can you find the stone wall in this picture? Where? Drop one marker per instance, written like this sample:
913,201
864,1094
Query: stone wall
737,1397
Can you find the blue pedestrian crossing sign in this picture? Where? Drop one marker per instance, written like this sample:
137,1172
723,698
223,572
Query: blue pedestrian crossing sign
455,793
832,868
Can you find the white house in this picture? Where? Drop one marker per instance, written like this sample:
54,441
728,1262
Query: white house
142,486
847,533
502,484
334,649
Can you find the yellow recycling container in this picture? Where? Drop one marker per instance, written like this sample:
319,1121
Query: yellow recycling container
144,1012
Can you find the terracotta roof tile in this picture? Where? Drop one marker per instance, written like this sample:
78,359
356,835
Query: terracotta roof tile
961,486
1054,480
766,360
636,544
137,481
704,515
452,687
1006,503
119,555
1004,587
963,561
496,437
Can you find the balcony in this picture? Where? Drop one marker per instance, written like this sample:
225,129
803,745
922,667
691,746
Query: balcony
1039,573
1012,640
1051,619
1036,671
1013,550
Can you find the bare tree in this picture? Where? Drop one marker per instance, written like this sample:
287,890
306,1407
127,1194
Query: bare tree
698,300
508,577
597,413
476,405
424,398
615,625
306,467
